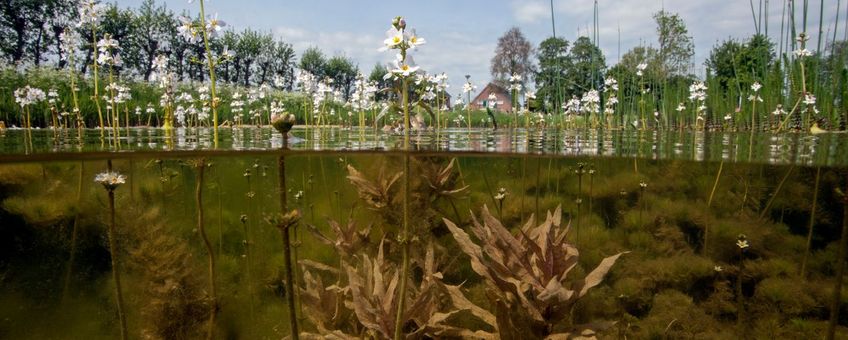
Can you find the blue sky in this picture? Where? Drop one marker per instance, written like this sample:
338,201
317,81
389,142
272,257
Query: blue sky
462,34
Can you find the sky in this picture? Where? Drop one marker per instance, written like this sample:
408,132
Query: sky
462,35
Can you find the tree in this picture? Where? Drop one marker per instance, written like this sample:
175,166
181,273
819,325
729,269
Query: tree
736,65
630,84
28,27
676,45
512,56
248,49
585,71
377,76
553,61
313,61
343,72
150,30
283,63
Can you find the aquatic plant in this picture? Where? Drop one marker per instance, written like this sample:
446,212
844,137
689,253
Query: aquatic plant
176,305
207,29
90,12
111,181
527,278
200,166
284,222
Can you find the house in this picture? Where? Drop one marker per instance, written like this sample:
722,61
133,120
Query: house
503,103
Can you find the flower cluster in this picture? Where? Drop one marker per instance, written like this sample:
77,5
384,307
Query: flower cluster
68,41
108,49
590,101
90,12
755,96
515,82
192,32
698,96
29,95
403,40
640,69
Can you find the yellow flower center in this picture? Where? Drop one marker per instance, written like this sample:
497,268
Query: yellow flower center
413,40
405,67
396,40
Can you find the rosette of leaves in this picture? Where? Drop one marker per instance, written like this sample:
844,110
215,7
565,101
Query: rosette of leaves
349,239
527,278
379,195
371,296
442,181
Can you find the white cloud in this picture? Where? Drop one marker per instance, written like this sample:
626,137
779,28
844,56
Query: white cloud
530,11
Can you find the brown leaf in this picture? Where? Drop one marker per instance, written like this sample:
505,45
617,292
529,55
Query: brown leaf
459,301
597,275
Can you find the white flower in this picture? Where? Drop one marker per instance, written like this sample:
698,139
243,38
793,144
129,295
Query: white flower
468,87
742,244
394,38
680,107
756,87
756,98
515,78
110,179
718,268
611,84
809,99
803,52
187,31
530,94
640,69
415,40
214,25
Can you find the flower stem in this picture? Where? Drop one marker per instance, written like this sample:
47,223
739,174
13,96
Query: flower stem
96,78
812,223
198,195
113,250
211,73
287,253
405,239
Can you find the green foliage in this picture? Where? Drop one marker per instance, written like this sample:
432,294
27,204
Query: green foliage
676,46
313,61
585,68
553,62
343,72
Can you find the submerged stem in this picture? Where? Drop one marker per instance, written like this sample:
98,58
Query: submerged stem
198,195
840,271
113,250
803,271
287,253
405,239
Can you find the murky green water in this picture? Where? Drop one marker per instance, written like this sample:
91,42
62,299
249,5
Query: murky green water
714,249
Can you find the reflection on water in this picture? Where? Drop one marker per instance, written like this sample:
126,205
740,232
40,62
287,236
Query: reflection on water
812,150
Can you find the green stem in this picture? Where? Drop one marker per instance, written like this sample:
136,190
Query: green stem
113,250
209,251
287,253
405,239
96,79
812,223
211,73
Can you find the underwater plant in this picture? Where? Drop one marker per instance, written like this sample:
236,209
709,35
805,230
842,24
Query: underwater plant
527,277
112,180
200,165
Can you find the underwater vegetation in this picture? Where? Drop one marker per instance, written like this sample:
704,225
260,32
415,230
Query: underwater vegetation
665,249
